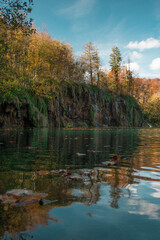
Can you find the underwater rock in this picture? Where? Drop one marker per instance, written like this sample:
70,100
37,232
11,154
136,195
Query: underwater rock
19,192
21,197
46,202
9,198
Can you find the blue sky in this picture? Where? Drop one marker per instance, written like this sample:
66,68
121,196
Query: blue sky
133,26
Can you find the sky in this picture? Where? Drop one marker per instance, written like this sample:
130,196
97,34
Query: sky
133,26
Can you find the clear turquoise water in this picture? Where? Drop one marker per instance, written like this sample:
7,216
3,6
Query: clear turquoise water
114,202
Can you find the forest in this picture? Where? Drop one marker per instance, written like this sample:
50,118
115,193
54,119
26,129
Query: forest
32,63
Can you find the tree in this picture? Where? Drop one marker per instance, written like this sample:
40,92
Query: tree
15,12
90,60
115,62
130,78
97,66
78,71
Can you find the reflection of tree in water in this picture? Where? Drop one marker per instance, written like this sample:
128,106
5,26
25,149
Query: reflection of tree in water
114,190
59,147
121,178
18,219
115,194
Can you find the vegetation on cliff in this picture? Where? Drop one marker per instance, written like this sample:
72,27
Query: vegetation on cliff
73,105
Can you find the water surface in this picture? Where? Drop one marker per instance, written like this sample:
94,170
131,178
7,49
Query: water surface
88,198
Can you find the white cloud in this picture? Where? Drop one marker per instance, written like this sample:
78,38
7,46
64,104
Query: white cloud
136,55
155,65
133,66
79,9
145,44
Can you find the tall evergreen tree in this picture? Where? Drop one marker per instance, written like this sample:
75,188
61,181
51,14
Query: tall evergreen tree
130,79
115,61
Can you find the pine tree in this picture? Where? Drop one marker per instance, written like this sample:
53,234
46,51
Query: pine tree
115,62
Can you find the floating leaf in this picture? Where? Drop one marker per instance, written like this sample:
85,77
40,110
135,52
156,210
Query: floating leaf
28,147
67,174
80,154
108,163
55,171
116,158
94,151
43,173
76,176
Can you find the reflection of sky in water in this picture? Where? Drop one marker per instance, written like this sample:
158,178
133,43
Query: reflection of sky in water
101,222
132,199
150,174
155,186
76,192
139,206
144,208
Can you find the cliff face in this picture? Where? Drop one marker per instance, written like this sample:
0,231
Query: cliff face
74,106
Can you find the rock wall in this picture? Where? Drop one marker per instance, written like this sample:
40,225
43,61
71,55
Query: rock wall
73,107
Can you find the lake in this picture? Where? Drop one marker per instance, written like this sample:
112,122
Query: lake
80,184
